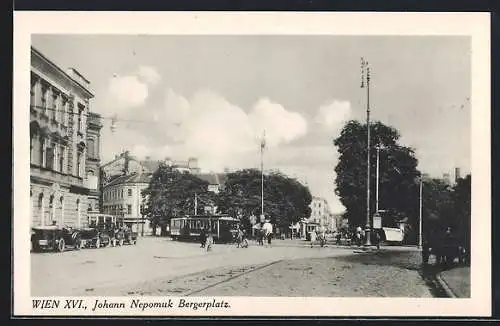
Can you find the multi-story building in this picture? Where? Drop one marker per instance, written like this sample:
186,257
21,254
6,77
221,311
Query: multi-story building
59,106
93,160
122,196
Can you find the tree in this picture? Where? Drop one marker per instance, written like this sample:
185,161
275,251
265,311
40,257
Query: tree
171,193
398,189
461,221
437,207
285,199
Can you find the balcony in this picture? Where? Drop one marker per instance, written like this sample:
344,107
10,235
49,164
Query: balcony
51,176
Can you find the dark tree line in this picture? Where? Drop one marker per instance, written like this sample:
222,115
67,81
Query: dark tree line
443,205
171,194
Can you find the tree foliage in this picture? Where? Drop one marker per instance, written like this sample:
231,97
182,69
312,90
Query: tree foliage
285,199
171,193
445,206
398,190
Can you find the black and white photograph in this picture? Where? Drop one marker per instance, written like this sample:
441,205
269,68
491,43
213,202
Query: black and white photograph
193,170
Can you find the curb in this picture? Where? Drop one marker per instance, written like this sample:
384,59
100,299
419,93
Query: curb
445,286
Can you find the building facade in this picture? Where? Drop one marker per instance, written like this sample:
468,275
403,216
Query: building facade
59,106
123,197
93,160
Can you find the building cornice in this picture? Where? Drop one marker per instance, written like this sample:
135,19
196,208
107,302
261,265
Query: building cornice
62,72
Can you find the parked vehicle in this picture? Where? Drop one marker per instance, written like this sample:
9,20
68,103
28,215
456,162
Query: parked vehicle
124,234
100,232
54,238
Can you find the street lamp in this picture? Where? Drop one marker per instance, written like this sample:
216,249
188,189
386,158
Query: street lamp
365,79
420,215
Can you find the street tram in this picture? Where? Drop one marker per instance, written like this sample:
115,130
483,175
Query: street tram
189,227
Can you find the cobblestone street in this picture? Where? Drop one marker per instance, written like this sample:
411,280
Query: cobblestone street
159,266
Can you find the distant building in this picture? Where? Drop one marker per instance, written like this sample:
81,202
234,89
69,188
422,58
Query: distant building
215,180
125,163
93,160
122,196
320,217
59,107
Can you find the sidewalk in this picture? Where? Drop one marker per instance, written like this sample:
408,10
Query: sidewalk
456,281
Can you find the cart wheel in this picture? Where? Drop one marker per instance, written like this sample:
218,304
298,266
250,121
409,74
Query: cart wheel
61,245
98,243
120,242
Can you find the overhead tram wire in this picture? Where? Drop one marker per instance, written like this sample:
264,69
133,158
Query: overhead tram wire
112,118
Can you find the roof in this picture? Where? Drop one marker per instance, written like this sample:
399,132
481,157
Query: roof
213,178
130,178
152,166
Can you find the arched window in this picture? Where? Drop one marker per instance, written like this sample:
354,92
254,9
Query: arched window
61,210
51,214
78,221
40,209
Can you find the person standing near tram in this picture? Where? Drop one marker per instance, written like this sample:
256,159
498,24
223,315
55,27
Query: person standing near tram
268,231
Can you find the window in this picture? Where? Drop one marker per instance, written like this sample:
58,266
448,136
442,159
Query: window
55,109
62,151
90,148
33,93
129,209
121,193
130,192
81,108
79,164
45,94
49,157
65,111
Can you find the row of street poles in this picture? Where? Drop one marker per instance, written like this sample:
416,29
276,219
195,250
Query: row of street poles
365,83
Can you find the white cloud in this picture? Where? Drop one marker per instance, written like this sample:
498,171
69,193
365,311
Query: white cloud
216,131
281,126
333,115
127,92
149,75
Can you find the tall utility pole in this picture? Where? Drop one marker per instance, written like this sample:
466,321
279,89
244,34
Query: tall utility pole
378,178
262,146
365,77
420,214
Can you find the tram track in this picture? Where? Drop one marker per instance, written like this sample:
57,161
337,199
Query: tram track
233,277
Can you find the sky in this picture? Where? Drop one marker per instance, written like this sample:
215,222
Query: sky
211,97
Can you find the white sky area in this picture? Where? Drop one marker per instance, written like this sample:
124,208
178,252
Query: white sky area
211,97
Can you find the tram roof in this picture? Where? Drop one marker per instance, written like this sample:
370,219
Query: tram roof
218,217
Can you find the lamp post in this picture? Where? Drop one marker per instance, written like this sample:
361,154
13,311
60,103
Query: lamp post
365,79
262,146
378,178
420,215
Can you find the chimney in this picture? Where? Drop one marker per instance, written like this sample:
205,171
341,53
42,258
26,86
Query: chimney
457,174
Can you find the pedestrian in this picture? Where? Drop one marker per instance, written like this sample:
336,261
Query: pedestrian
338,236
377,238
268,231
313,236
209,241
203,237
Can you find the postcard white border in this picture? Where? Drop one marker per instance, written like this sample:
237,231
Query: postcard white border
476,25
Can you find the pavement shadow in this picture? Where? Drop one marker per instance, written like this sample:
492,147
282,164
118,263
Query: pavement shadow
410,260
